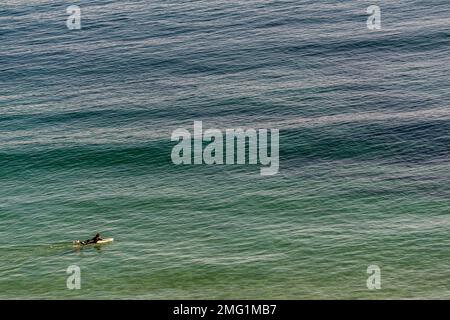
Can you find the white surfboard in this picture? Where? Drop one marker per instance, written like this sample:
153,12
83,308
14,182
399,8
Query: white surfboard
106,240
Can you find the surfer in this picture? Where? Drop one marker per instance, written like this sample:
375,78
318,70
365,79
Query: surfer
95,239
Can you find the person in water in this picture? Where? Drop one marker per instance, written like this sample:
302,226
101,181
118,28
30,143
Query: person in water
95,239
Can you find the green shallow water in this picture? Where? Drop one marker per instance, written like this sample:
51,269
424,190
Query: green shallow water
292,236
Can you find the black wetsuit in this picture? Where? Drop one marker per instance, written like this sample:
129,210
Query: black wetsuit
93,240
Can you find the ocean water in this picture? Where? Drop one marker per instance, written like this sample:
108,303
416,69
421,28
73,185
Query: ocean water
85,123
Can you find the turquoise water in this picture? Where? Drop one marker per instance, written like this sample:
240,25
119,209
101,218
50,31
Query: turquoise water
85,123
